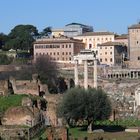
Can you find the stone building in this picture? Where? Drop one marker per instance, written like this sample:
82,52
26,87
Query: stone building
61,49
111,53
134,45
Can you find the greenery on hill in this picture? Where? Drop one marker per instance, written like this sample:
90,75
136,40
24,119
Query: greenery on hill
10,101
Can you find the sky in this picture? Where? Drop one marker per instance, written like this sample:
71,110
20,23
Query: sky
104,15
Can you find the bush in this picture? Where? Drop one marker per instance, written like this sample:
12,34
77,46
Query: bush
5,60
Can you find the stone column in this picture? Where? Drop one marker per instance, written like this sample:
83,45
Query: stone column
95,73
137,75
85,74
76,73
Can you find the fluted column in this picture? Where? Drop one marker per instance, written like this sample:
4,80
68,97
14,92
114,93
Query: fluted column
85,74
95,73
76,73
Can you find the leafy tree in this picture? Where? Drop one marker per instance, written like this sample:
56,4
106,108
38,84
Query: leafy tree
47,71
21,37
46,32
3,39
80,104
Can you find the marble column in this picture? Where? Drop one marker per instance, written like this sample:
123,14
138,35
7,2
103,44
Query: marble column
76,73
85,74
95,73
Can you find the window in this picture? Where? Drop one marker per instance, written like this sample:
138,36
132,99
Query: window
105,52
101,60
90,46
137,42
70,46
110,47
57,53
66,46
106,39
50,53
63,58
100,47
66,53
138,57
57,58
110,59
54,53
110,52
106,59
96,52
69,58
62,46
62,53
69,53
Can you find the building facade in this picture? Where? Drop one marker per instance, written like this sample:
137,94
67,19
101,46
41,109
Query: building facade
111,53
134,45
92,39
60,49
74,29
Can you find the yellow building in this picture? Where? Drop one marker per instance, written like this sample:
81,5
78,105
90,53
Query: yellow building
92,39
57,32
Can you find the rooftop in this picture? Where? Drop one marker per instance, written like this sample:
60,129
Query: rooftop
97,33
134,26
123,36
73,23
112,44
61,39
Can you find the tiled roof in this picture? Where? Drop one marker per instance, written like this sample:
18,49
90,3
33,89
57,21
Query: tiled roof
112,44
58,40
96,33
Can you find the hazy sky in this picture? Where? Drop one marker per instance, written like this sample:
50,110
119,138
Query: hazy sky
103,15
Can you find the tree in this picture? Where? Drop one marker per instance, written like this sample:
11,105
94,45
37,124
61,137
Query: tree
3,39
21,37
80,104
46,31
47,71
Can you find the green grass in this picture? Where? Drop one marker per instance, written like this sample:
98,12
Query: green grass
10,101
79,133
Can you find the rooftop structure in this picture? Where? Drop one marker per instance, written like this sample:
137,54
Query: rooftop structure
74,29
